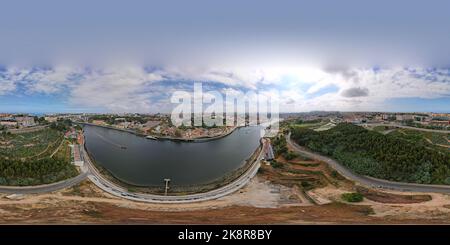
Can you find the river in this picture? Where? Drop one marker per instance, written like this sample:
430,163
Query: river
144,162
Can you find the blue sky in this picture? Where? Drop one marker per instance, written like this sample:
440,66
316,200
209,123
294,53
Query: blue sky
441,105
117,56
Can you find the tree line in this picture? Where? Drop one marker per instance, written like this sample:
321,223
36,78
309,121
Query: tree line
18,169
377,155
34,172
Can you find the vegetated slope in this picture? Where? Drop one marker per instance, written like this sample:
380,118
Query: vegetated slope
29,144
24,163
438,141
377,155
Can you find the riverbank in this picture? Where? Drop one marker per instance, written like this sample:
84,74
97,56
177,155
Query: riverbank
198,139
178,190
157,137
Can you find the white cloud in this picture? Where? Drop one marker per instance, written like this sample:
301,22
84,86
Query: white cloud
404,83
50,81
120,90
133,88
6,86
228,76
10,78
378,86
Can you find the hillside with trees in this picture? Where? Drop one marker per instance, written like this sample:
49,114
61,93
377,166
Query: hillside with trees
17,172
381,156
25,158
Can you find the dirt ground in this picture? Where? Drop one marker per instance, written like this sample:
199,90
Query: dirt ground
291,192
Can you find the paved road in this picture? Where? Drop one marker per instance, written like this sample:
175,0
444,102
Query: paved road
119,191
88,170
366,180
408,127
44,188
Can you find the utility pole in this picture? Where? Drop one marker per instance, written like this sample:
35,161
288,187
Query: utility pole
167,186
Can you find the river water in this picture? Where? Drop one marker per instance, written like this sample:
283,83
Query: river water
144,162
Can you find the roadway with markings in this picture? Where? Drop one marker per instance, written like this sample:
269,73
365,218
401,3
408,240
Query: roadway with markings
88,170
119,191
366,180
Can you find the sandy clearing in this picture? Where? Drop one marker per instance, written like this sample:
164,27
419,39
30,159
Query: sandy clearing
436,208
257,193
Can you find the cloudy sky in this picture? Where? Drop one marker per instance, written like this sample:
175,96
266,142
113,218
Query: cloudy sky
130,56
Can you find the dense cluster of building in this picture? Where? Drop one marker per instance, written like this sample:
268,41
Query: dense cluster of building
419,119
16,121
159,124
156,125
140,123
425,119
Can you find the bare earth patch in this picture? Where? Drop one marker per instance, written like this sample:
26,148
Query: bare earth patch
385,197
262,201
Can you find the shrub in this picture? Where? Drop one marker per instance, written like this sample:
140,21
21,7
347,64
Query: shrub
276,164
352,197
377,155
305,184
447,181
289,155
335,174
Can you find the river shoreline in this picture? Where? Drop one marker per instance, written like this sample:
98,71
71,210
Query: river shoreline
153,137
177,190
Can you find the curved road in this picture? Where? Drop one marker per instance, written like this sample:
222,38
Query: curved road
88,170
44,188
119,191
366,180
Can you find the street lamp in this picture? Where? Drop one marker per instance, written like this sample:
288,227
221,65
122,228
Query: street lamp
167,186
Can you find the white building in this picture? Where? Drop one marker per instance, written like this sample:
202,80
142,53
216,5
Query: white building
8,123
51,119
76,156
25,121
404,117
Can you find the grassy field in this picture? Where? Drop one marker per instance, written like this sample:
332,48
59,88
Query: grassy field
35,158
64,152
405,156
438,141
308,125
381,128
30,145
